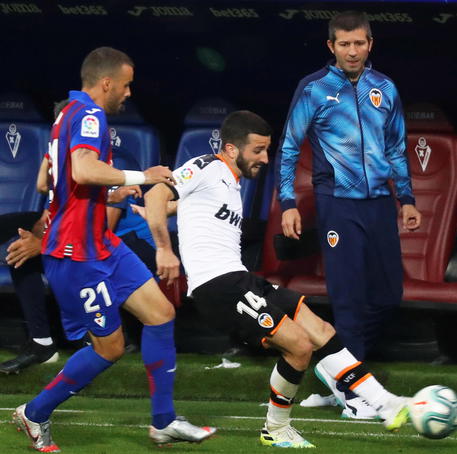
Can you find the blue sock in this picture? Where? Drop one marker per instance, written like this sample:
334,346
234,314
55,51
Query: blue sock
78,372
159,357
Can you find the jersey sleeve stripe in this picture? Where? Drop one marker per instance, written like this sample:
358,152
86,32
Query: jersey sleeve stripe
87,147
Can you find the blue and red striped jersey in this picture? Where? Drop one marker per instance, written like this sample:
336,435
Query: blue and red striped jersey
78,227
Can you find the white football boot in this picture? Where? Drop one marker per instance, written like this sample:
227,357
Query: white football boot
39,433
394,413
180,430
283,437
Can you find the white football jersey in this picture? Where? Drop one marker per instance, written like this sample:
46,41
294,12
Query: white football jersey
209,219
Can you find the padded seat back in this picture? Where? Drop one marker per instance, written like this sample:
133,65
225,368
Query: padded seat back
305,204
135,146
196,142
433,164
202,136
23,143
130,132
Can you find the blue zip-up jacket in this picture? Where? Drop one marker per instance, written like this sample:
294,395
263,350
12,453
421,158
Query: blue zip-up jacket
357,134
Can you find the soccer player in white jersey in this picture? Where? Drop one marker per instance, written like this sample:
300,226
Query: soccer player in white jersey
232,299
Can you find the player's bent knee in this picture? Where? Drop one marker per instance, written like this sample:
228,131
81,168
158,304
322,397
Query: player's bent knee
300,353
168,311
328,331
110,349
113,353
159,314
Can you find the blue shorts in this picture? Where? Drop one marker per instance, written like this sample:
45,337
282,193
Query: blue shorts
90,293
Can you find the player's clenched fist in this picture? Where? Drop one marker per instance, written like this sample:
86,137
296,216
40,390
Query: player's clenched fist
158,174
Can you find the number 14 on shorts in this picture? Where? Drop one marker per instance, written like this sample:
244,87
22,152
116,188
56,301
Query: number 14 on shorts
255,304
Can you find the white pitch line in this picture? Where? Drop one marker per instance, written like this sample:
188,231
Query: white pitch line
347,421
344,421
243,429
90,424
240,429
60,411
385,435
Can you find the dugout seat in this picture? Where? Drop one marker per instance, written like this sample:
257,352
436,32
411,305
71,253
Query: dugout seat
289,263
134,142
130,132
202,129
427,252
202,136
23,142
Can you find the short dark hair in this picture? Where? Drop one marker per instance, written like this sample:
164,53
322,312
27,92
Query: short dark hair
58,106
239,124
348,21
102,62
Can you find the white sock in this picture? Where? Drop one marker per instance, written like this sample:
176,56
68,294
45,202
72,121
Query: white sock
367,387
45,341
281,399
277,416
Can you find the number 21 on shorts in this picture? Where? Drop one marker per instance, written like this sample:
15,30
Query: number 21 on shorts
90,295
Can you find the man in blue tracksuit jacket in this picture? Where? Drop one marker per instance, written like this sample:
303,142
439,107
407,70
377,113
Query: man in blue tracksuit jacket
353,118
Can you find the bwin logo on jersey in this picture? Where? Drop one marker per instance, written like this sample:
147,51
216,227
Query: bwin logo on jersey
115,139
423,152
332,238
225,214
13,137
215,141
375,97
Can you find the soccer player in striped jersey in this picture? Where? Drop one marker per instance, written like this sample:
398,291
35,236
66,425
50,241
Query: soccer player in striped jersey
90,270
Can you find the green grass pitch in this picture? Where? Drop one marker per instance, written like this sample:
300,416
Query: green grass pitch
112,415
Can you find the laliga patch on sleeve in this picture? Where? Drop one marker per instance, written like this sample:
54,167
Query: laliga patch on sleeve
182,176
90,126
186,174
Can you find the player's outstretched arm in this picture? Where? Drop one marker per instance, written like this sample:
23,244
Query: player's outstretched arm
156,205
86,168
